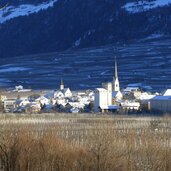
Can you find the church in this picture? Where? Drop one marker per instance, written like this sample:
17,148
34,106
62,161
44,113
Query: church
106,98
63,92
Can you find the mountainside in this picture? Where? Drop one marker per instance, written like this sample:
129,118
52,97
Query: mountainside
38,26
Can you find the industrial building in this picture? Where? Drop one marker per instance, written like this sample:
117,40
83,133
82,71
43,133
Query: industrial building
161,104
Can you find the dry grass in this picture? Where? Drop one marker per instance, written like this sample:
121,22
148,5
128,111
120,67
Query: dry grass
84,143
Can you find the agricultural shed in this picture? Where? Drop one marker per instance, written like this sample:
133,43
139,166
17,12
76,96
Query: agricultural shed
161,103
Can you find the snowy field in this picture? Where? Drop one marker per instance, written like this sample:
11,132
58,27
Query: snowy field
147,61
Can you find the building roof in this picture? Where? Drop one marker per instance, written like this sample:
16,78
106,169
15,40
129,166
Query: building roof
115,93
110,107
101,89
129,89
161,98
167,92
65,90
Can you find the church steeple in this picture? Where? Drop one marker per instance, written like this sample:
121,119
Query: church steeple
115,78
116,69
61,84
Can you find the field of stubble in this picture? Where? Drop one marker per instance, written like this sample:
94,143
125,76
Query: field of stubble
84,142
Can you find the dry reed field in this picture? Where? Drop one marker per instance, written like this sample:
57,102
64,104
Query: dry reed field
66,142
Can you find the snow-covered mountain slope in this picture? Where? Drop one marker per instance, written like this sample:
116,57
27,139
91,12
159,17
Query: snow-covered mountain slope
145,5
11,12
39,26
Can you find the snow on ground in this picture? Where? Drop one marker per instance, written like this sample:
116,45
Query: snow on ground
11,12
154,36
13,69
145,5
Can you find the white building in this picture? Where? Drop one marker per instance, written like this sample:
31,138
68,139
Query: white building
108,87
9,105
144,96
21,89
43,100
84,99
101,99
78,105
130,105
131,89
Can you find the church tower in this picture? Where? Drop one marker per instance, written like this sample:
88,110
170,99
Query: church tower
115,78
61,84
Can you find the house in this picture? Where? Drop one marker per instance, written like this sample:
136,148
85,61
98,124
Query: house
108,108
130,89
9,105
21,89
91,95
137,87
84,99
78,105
43,100
61,101
130,105
81,93
145,96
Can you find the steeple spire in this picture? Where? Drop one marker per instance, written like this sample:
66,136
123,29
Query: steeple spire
116,69
115,78
61,84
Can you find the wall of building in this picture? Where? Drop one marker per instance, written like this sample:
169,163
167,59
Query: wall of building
108,87
101,98
161,105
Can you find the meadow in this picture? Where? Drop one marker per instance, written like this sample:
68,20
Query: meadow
85,142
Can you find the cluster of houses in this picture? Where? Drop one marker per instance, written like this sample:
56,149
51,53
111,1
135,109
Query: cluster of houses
134,98
63,100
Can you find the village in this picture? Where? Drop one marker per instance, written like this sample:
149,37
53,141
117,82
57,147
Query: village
109,99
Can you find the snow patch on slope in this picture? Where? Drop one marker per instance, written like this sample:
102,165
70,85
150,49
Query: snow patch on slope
11,12
145,5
